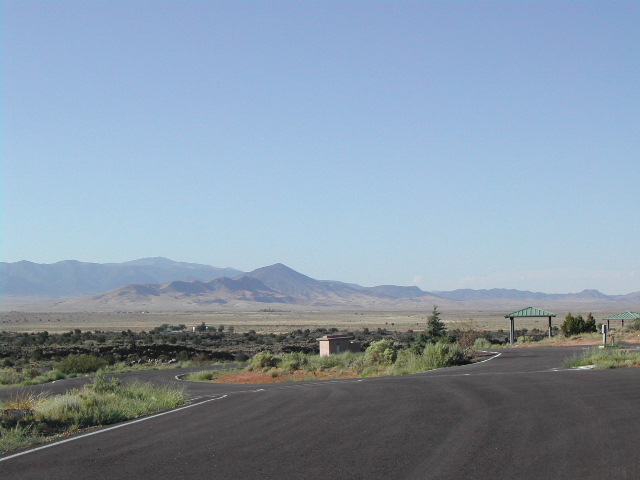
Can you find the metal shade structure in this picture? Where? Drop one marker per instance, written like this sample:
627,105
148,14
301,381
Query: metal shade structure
527,312
622,316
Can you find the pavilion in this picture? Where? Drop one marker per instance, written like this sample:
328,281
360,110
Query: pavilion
621,316
527,312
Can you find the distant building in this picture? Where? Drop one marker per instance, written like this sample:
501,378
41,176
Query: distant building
331,344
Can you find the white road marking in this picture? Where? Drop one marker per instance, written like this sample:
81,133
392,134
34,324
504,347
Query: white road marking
496,355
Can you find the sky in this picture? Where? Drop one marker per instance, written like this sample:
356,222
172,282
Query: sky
443,144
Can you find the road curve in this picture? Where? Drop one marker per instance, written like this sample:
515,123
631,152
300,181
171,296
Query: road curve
520,415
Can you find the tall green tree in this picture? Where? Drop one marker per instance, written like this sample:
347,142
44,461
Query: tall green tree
436,328
590,324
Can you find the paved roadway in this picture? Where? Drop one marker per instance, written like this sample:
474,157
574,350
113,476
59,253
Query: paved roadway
518,416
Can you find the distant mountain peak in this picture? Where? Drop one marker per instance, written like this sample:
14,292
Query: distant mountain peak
151,262
286,280
277,267
279,270
591,293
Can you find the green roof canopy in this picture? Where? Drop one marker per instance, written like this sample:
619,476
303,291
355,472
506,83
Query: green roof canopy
531,312
623,316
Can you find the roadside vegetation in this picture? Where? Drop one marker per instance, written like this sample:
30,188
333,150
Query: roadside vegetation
381,358
574,325
40,357
28,419
72,366
433,348
604,358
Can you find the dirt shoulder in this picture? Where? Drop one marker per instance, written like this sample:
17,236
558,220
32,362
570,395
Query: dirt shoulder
267,377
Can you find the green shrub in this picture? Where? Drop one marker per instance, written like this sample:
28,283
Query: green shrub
61,407
28,376
264,361
81,364
481,344
102,384
10,376
380,353
294,361
576,325
409,362
203,376
441,355
346,360
46,377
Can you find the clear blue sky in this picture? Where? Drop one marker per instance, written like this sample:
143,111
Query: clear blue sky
442,144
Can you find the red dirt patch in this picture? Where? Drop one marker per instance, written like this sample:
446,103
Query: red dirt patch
265,377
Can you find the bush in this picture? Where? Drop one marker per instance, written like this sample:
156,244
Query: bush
380,353
409,362
264,360
46,377
294,361
102,384
346,360
443,355
436,355
61,407
481,344
81,364
576,325
10,376
202,376
28,376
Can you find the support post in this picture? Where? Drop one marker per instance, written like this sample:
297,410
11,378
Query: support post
512,332
605,329
550,330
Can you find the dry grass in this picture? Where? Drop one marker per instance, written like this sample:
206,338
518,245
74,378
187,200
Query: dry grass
483,316
103,401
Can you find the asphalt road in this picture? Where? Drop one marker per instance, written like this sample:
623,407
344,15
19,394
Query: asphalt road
518,416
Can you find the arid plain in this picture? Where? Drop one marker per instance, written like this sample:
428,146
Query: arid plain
479,315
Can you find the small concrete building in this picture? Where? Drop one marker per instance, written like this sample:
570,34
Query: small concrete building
330,344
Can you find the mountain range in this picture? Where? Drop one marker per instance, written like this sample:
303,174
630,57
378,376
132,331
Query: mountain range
162,284
71,278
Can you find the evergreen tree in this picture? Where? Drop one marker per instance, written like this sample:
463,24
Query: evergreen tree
575,325
435,326
590,324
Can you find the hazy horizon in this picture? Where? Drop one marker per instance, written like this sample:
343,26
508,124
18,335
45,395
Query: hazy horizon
334,279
